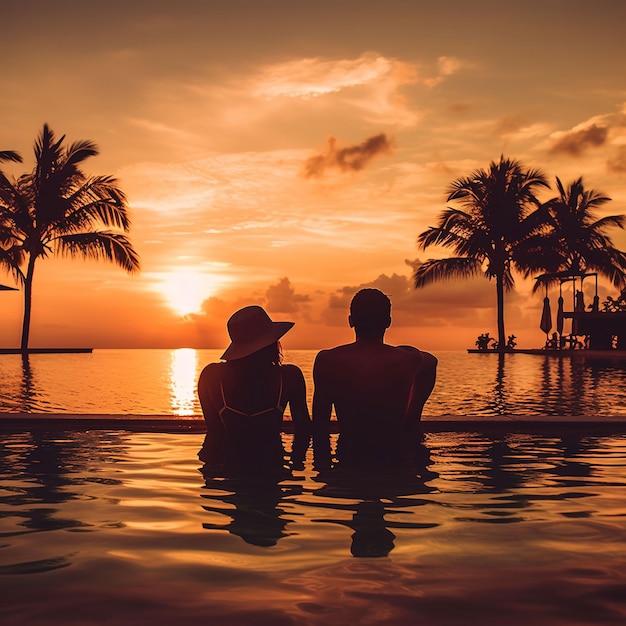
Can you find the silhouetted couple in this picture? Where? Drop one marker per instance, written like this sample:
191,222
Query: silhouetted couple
378,392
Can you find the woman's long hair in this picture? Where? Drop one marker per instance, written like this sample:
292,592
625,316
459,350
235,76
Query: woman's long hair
252,375
269,356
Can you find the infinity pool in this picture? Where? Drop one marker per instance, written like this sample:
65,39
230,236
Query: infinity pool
113,527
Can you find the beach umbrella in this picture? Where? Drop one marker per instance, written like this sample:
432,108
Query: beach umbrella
559,316
559,311
546,316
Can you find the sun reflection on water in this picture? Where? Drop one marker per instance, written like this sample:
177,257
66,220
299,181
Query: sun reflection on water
183,381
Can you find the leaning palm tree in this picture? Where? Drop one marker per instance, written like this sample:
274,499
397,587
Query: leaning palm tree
497,213
57,208
579,237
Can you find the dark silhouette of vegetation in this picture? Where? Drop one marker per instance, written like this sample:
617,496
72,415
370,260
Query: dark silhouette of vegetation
7,260
577,238
498,213
501,226
58,209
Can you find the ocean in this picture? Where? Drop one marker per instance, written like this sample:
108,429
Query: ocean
111,526
163,382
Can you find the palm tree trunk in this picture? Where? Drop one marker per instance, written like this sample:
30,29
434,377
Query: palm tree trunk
28,299
500,307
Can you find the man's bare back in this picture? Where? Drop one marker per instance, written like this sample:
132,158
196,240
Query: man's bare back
378,392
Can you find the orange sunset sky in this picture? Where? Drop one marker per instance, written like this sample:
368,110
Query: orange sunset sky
287,153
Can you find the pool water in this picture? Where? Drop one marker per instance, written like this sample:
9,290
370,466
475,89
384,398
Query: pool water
114,527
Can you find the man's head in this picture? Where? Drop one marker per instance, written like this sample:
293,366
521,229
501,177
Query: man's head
370,313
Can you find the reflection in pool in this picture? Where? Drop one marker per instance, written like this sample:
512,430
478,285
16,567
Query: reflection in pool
104,527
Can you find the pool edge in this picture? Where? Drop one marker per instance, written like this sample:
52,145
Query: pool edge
195,423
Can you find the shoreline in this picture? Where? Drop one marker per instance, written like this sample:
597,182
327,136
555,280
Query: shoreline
564,353
539,424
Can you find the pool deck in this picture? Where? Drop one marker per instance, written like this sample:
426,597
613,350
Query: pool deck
23,422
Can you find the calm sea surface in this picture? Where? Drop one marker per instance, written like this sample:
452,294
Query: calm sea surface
100,528
111,527
164,382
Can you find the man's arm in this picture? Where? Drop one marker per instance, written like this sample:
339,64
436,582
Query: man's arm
322,408
423,385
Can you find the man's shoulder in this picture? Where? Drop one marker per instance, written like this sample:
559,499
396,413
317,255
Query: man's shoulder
408,352
332,360
421,358
336,351
384,353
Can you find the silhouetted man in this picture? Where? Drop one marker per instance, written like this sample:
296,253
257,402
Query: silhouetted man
378,392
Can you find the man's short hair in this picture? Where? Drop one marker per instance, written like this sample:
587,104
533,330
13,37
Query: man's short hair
370,311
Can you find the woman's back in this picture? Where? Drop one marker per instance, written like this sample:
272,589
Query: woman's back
243,400
251,412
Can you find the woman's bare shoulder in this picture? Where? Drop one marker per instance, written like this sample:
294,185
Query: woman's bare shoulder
210,372
291,373
290,369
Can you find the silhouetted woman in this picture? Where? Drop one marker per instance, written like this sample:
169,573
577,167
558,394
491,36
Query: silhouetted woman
243,400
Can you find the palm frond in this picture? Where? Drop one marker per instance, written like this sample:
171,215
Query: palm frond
617,221
508,281
9,194
47,152
10,155
79,151
438,236
100,201
609,263
107,245
453,226
539,253
10,260
435,270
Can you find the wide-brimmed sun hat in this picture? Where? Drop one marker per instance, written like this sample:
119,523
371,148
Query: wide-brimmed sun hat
251,329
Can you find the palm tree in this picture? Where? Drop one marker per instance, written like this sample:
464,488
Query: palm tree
58,209
7,261
498,211
579,237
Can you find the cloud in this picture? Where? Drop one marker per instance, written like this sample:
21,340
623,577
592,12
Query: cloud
349,159
371,84
617,164
442,304
282,298
510,124
278,298
314,77
459,108
578,140
446,66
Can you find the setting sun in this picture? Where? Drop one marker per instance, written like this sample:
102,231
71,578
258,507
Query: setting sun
185,290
